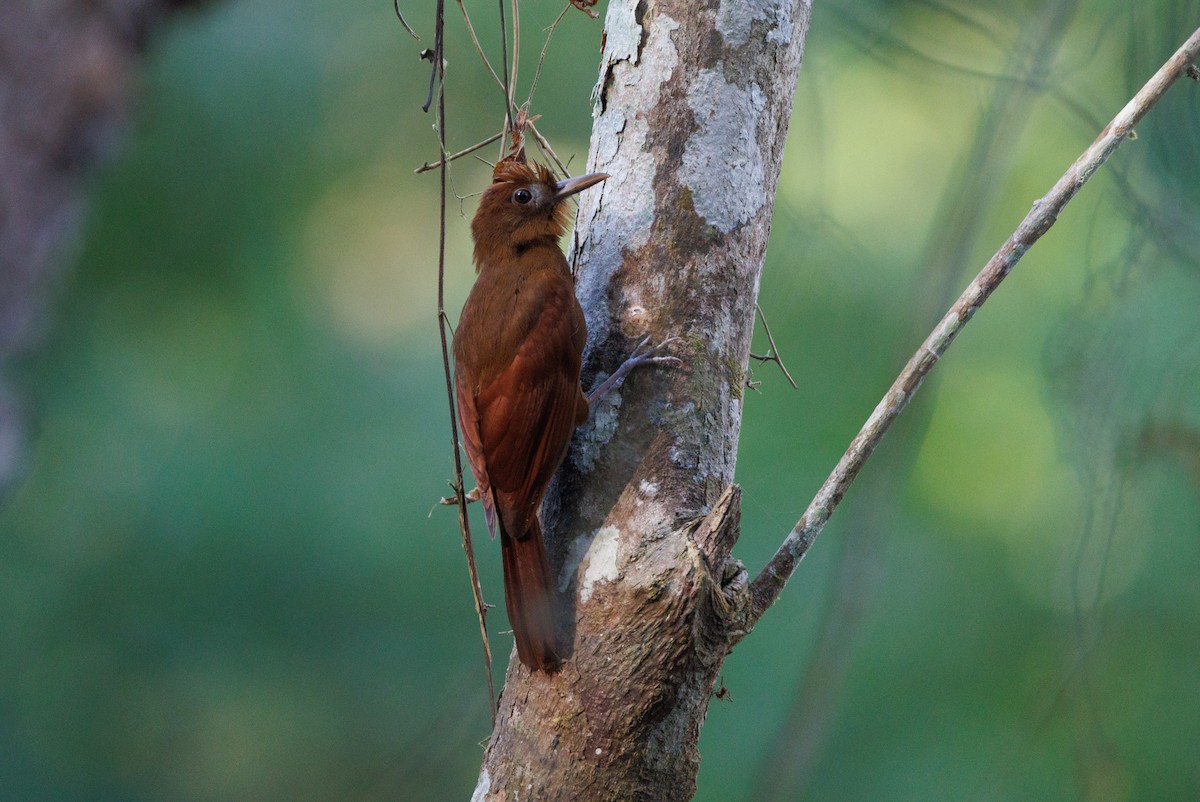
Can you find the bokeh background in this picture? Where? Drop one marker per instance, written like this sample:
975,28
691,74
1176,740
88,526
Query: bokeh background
221,578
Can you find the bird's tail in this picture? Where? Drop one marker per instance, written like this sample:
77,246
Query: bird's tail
529,597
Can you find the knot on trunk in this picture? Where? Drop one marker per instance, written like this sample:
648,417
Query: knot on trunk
725,610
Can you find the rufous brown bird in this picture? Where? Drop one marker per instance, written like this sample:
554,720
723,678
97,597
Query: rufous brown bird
517,355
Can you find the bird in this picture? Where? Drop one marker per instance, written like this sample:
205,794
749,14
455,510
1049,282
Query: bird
518,351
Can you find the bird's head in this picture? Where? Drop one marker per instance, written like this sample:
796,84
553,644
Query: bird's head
523,205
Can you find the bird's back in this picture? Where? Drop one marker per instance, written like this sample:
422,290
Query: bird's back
518,352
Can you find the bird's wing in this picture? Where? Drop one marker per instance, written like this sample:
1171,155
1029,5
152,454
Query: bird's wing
527,412
468,421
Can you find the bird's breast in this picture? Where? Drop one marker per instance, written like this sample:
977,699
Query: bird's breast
505,309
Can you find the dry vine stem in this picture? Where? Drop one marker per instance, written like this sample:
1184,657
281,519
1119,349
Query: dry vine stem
767,585
464,524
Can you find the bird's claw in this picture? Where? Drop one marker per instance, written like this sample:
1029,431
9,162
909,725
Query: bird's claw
646,354
643,354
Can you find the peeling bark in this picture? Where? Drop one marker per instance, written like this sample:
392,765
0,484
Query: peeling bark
691,111
67,79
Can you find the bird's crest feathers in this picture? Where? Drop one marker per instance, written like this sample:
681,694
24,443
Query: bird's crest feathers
514,169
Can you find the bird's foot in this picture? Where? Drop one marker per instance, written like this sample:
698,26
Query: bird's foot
643,354
647,354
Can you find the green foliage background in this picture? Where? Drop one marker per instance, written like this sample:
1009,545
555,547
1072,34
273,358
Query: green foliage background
221,579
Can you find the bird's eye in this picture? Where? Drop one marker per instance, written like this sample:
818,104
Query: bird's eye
522,196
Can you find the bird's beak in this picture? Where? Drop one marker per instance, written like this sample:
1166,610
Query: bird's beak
566,189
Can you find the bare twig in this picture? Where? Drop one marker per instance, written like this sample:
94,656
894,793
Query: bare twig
516,54
545,46
543,143
475,41
803,738
767,585
508,119
426,167
399,16
772,354
544,147
464,523
439,67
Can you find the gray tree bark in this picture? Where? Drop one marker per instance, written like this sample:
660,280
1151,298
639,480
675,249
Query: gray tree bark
691,112
67,79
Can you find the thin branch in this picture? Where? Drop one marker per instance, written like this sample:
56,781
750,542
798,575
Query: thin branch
545,46
508,119
475,41
426,167
767,585
399,16
544,147
516,54
803,739
464,523
772,354
435,55
543,143
439,68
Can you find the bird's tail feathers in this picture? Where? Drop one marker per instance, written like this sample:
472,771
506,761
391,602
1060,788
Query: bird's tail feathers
529,596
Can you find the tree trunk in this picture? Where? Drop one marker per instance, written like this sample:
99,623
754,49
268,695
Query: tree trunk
691,113
67,79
